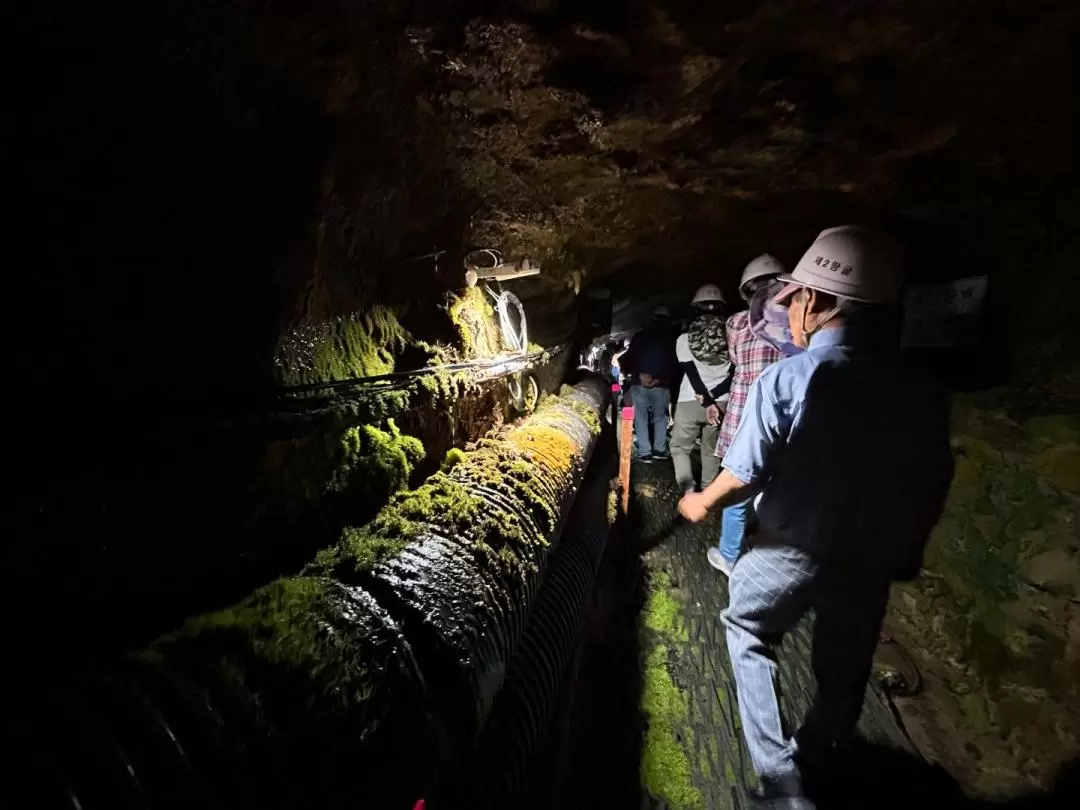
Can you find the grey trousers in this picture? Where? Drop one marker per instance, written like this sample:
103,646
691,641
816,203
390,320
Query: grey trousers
689,425
771,588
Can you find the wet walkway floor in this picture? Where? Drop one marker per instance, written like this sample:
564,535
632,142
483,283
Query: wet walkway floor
656,713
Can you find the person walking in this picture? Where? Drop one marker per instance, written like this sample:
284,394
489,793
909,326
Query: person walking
650,361
703,356
750,354
850,452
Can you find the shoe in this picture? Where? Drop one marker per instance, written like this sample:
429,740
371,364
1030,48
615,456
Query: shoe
720,562
647,458
665,456
784,793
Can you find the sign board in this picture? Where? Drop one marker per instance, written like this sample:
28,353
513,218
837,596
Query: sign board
944,315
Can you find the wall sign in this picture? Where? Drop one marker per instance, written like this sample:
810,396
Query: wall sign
944,315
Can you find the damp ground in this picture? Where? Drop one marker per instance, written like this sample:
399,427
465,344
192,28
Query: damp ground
655,722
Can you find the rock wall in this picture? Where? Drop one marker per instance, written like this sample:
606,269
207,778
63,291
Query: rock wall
994,623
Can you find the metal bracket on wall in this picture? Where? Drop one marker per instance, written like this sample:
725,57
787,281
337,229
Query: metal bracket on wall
488,264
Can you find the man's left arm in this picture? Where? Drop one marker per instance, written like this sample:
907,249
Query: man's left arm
748,460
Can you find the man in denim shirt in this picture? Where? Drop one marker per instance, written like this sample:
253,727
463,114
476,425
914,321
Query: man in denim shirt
850,453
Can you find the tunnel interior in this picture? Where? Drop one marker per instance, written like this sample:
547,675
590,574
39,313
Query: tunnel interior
248,358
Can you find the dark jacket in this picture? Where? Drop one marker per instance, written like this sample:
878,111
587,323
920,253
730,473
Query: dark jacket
652,352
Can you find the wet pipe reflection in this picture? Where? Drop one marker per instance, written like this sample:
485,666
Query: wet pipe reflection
365,681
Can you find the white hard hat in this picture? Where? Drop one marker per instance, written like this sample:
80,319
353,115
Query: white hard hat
661,312
849,262
708,294
763,265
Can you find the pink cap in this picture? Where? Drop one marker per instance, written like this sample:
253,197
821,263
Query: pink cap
628,413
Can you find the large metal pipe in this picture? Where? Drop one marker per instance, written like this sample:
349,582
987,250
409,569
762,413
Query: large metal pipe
362,682
505,760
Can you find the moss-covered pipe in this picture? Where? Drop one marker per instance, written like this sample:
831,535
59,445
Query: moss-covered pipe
476,550
505,760
361,682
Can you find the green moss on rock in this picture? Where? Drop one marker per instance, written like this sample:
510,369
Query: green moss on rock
384,459
504,466
591,418
474,318
440,389
374,406
665,766
612,507
293,624
454,456
529,464
665,759
441,504
662,611
361,344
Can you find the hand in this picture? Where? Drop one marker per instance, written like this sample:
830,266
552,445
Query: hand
693,507
712,415
700,399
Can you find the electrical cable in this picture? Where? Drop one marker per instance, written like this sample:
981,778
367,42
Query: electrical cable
516,339
403,377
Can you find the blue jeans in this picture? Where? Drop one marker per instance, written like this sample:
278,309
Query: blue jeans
650,407
733,529
770,590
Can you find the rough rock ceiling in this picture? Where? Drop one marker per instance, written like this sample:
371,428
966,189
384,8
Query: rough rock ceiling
248,164
689,136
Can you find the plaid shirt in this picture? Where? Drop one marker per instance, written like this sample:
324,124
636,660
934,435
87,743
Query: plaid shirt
750,355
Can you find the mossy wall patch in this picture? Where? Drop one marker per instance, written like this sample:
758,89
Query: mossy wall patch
665,761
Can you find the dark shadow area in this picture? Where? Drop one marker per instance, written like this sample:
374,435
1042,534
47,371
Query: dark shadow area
870,775
157,210
607,726
619,17
609,81
172,166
